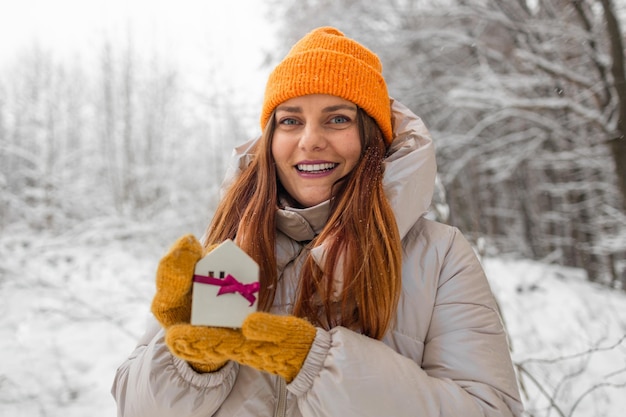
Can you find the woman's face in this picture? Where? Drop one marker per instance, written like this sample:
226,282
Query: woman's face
316,143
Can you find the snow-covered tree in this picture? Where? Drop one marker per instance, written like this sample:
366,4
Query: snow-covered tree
116,133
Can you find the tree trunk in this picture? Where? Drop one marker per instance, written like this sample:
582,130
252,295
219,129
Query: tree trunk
618,143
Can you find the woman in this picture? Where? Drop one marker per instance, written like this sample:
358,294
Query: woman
369,309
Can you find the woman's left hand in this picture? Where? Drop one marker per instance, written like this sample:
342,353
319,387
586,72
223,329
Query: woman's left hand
267,342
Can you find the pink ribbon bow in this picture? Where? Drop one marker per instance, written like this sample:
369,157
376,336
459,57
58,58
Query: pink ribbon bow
230,285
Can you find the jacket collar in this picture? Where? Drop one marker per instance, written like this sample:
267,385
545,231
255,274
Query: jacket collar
303,224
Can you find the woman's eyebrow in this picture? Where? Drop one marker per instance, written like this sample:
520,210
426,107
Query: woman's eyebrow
289,109
331,109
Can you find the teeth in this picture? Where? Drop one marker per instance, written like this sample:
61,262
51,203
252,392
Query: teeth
315,167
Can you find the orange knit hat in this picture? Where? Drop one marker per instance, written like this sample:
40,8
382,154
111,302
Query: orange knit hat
326,62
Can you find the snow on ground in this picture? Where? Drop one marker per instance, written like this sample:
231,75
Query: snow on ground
74,305
567,334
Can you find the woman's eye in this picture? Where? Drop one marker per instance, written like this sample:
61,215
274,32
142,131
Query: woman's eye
339,119
288,121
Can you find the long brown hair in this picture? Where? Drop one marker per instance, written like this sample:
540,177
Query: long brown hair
361,232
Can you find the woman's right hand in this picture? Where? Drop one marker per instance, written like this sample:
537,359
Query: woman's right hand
172,302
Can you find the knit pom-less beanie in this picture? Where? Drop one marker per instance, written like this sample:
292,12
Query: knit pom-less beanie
326,62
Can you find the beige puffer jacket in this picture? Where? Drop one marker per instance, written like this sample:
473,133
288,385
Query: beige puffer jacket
446,356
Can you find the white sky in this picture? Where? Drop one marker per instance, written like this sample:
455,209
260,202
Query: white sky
69,23
189,32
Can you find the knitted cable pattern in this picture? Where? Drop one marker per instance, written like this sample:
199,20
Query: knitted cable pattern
270,343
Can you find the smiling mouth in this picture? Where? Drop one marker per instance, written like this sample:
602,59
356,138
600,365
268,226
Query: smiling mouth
316,168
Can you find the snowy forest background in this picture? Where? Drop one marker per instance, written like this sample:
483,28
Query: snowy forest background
107,157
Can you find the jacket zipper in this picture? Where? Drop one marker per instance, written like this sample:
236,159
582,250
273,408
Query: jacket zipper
281,405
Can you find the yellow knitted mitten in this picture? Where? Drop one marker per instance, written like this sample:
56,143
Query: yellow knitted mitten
171,304
267,342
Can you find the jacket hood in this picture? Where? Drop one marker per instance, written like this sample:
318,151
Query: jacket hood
410,168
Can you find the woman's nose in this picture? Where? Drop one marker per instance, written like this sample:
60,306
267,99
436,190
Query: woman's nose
312,138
